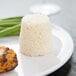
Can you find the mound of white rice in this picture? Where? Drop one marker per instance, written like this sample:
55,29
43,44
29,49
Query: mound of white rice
35,35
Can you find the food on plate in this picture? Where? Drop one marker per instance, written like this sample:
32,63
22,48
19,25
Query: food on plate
35,35
10,26
8,59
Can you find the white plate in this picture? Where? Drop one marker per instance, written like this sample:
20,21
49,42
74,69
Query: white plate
43,65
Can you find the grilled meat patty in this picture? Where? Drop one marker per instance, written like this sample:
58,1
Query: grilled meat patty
8,59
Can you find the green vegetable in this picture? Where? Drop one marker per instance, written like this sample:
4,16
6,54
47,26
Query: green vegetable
10,30
1,28
15,33
12,18
10,26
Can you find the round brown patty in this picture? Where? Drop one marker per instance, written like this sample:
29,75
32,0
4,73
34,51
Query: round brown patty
8,59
